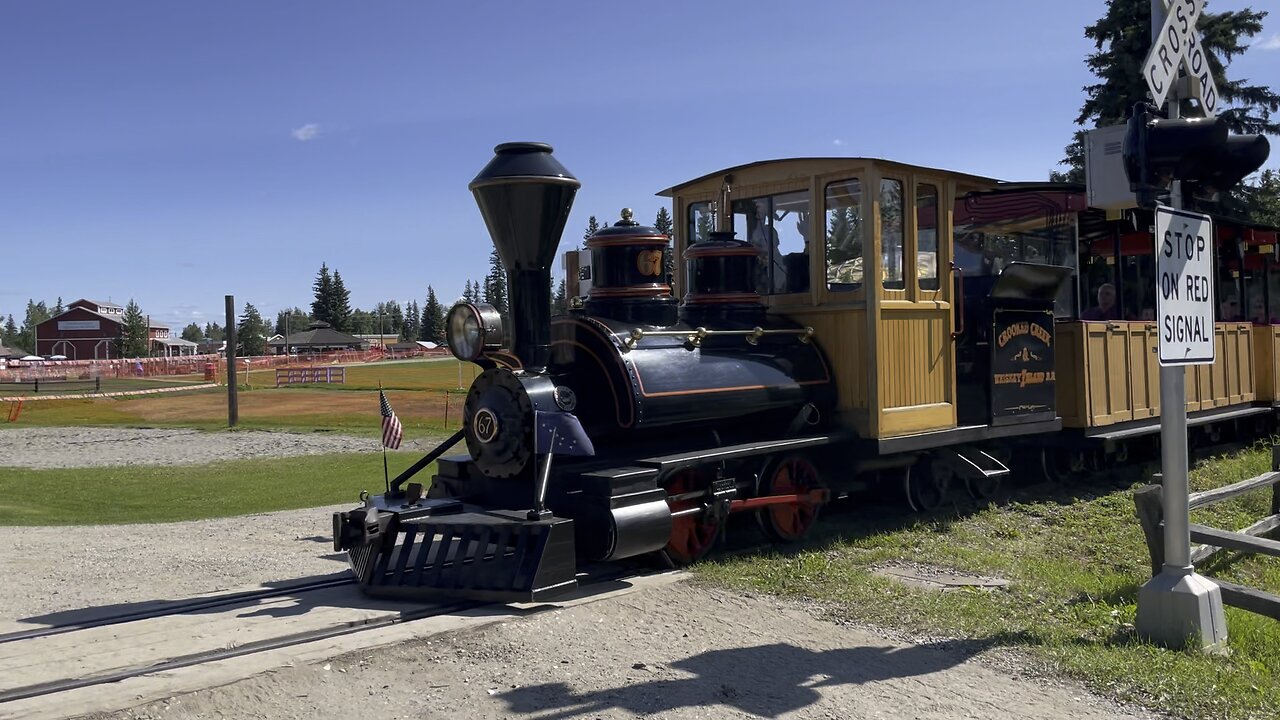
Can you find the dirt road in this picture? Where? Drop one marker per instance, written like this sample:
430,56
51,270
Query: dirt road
674,651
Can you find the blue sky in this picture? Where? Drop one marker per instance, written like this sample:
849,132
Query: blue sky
174,153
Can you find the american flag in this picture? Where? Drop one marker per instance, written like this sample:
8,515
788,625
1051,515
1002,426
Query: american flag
391,430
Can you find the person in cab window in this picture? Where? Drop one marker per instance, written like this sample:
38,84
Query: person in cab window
1229,309
765,238
1106,308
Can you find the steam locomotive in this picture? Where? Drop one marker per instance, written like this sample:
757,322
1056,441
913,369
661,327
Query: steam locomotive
636,423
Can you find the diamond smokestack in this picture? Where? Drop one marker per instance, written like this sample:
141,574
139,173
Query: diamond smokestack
525,195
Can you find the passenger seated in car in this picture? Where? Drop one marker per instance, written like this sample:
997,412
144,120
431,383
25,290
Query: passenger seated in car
1106,308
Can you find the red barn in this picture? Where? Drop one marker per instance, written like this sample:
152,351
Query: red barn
87,330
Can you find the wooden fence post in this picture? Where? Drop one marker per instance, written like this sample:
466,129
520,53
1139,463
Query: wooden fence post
1148,506
1275,489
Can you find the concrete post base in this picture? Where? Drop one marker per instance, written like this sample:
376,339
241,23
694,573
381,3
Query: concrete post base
1179,608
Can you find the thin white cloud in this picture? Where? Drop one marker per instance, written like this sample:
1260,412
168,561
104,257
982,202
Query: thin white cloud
1271,43
310,131
837,142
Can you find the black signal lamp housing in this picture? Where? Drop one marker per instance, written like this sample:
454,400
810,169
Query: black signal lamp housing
1197,151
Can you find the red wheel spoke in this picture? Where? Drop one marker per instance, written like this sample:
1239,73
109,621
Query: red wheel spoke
795,475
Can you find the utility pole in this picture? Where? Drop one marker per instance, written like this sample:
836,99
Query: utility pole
233,410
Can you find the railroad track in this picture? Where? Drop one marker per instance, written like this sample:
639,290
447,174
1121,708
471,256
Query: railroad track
174,608
43,664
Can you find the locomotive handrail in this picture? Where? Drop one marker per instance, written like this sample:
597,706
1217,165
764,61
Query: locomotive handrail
959,304
696,337
394,487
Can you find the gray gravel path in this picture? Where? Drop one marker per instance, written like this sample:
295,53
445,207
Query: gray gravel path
99,447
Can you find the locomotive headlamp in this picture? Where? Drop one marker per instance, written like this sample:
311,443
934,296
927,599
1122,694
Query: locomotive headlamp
472,329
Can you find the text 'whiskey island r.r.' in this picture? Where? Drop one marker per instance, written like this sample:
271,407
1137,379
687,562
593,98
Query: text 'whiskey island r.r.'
1184,298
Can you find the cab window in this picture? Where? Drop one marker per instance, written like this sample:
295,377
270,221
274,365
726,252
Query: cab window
702,221
777,225
927,236
891,233
842,205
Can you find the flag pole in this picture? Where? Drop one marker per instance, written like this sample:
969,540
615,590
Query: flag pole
386,477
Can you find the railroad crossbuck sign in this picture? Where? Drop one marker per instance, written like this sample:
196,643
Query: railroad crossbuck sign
1184,294
1178,44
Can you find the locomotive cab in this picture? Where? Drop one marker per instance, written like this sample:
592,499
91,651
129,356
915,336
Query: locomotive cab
863,252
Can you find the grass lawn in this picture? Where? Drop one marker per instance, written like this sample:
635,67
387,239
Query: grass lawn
117,495
1074,556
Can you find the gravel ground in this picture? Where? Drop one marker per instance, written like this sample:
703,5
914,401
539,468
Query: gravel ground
683,651
100,447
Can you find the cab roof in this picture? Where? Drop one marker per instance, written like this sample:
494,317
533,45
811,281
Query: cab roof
834,162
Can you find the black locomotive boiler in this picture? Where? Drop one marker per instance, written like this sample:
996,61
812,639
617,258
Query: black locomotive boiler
634,424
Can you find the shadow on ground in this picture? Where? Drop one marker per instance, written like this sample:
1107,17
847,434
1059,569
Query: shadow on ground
764,680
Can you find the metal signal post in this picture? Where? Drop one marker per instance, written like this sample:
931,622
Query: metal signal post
1177,607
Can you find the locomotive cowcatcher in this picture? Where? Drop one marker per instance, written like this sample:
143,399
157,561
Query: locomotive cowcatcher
636,424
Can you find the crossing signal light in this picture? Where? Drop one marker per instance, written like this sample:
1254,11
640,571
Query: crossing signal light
1198,151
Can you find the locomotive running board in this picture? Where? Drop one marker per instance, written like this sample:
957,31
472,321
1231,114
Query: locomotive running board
494,556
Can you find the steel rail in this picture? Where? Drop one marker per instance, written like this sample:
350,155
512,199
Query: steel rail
175,608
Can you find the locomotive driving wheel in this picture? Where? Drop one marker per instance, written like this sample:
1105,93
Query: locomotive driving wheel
695,522
790,475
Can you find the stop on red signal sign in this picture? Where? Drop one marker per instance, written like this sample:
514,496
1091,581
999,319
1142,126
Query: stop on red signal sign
1184,287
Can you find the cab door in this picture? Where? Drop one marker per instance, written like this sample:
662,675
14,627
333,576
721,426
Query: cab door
911,313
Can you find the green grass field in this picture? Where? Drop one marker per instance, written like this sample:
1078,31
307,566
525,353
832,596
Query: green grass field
117,495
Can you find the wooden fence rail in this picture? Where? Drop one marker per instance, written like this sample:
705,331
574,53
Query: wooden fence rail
1148,504
61,384
327,374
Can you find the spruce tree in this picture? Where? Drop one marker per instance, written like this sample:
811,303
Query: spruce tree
663,224
322,306
191,333
134,340
559,299
251,332
57,308
495,283
341,308
214,332
10,336
412,316
433,318
593,226
1122,39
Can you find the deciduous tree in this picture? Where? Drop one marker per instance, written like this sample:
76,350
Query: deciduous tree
191,333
